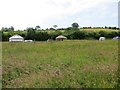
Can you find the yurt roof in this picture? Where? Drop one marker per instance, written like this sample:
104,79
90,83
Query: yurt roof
61,36
16,36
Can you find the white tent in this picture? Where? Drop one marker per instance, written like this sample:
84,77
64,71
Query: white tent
28,40
101,38
116,38
16,38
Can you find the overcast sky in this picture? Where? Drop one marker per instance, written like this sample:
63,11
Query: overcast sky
46,13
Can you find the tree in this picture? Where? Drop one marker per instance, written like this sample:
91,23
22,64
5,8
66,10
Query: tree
55,26
5,29
11,28
37,27
75,25
30,33
105,27
52,28
109,27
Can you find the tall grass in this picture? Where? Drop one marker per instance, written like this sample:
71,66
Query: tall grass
70,64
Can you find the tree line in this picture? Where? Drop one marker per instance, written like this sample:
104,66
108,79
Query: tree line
70,34
73,25
73,32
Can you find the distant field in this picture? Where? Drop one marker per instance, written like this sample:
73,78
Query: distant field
88,30
70,64
97,30
93,30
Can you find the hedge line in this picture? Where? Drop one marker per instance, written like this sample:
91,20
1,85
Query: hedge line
70,34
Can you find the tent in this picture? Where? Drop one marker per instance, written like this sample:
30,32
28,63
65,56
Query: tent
116,38
28,40
61,37
16,38
101,38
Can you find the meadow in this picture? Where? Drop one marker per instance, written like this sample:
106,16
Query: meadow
60,64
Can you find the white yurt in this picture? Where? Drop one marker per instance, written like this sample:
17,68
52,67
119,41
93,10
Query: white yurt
116,38
28,41
16,38
101,38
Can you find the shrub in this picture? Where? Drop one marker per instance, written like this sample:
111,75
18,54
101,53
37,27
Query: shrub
103,34
78,35
112,34
70,34
42,36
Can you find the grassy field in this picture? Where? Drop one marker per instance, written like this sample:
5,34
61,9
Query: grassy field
97,30
67,64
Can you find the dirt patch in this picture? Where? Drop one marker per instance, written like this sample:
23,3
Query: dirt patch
104,68
10,65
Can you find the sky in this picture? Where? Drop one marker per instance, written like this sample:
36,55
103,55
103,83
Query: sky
29,13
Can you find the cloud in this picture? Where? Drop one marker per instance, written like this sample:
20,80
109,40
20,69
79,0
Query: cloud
24,13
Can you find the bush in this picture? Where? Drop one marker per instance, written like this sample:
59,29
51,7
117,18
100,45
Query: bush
70,34
103,34
53,35
42,36
90,35
5,36
112,34
78,35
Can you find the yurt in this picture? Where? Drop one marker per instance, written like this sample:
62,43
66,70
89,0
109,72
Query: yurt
61,38
16,38
116,38
101,38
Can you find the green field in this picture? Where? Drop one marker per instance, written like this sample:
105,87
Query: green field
97,30
64,64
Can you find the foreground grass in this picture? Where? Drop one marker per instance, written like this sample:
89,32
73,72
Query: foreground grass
74,64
